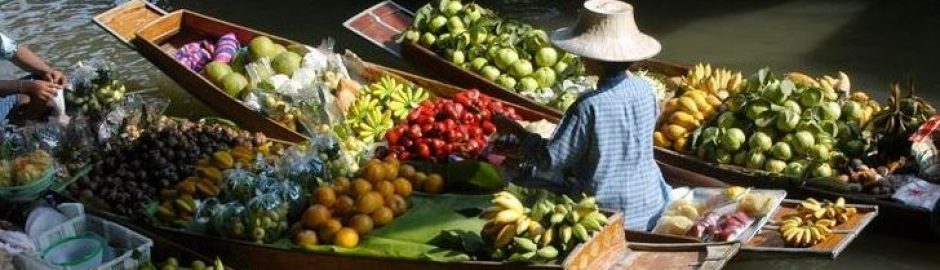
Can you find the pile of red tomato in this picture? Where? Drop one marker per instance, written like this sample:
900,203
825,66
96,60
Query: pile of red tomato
444,127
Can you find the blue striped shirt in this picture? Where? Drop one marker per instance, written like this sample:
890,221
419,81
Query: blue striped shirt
7,51
605,141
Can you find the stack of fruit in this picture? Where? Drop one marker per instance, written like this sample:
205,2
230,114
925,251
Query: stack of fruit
459,126
24,169
172,264
129,176
704,89
814,221
179,203
796,125
551,228
96,95
379,106
900,118
514,55
340,213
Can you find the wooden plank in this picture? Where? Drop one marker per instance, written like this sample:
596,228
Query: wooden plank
769,238
381,24
124,20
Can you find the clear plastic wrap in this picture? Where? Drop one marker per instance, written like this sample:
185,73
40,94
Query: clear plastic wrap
290,193
240,185
228,220
266,218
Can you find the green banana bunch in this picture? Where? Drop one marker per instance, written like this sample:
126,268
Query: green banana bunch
374,125
550,228
400,103
384,88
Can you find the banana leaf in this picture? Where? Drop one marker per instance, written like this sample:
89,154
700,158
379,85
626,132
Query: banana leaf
410,236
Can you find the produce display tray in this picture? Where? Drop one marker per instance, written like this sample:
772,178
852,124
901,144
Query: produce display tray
770,240
700,195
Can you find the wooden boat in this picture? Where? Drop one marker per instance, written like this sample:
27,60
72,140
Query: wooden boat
452,73
157,35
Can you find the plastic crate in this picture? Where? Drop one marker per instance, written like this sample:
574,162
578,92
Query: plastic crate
127,249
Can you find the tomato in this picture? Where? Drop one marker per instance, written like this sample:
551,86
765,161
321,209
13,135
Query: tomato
476,132
426,128
468,119
488,127
393,136
424,119
450,124
414,132
423,150
485,115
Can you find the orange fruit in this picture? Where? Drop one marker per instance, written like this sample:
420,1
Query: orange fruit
390,170
434,184
418,180
369,203
361,186
344,205
407,171
306,239
392,160
362,223
328,230
316,215
402,187
347,238
382,216
341,184
385,188
325,196
375,172
397,203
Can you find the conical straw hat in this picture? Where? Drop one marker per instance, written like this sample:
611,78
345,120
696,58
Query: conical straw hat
606,31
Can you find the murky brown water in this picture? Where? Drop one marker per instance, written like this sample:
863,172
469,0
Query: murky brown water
877,42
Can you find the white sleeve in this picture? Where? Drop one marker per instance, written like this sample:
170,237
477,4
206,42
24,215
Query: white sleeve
7,47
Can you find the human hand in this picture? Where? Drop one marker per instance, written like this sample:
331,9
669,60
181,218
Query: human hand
54,76
42,90
507,126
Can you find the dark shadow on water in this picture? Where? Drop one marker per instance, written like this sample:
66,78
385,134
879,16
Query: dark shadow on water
886,42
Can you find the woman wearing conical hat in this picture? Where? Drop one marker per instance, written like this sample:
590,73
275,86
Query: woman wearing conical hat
604,140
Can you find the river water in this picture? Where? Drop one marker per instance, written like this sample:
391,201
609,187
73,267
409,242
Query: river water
876,42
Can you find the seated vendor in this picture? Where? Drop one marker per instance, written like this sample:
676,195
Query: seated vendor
25,100
604,140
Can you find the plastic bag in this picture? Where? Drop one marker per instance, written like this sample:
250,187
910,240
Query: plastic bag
228,220
267,218
240,185
289,192
132,116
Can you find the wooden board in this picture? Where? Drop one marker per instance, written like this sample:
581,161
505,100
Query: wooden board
122,22
679,256
770,240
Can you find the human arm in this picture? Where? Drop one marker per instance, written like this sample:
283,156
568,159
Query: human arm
23,57
561,152
42,90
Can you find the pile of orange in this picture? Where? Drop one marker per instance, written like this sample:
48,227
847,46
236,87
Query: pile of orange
340,213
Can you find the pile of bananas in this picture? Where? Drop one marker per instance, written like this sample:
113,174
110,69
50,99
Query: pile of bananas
813,221
900,118
380,105
550,228
704,89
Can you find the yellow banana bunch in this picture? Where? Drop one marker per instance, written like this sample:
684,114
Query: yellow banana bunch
705,89
797,232
813,221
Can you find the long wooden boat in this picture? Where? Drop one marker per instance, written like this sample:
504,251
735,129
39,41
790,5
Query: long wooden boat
452,73
156,34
